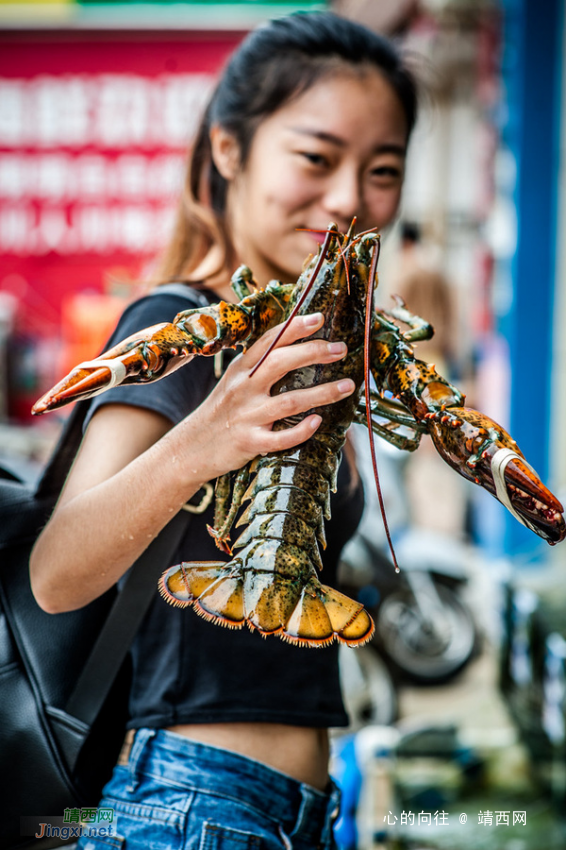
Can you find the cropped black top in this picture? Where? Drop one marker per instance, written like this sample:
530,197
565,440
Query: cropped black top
187,670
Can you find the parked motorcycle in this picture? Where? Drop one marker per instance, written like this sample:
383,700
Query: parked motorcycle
423,626
425,631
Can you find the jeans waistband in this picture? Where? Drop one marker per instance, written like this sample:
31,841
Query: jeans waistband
300,809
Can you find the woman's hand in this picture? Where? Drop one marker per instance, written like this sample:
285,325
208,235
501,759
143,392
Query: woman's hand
236,420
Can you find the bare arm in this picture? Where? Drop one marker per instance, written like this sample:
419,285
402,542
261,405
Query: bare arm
134,471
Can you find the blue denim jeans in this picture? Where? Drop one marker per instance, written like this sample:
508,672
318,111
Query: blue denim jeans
176,793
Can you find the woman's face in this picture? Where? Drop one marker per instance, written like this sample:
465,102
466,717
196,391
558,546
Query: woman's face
335,152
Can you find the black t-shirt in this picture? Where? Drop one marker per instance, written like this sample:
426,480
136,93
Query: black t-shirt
188,670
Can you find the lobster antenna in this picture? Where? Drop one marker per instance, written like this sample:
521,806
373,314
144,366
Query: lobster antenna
349,243
312,230
325,246
367,345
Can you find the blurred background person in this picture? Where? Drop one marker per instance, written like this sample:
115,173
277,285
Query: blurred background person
427,293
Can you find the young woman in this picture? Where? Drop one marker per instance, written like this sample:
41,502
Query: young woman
309,124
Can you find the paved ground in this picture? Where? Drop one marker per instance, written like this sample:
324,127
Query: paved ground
475,794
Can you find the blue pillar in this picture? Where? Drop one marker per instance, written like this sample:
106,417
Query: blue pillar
531,75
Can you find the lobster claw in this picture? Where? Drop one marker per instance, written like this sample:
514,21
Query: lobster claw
145,356
482,451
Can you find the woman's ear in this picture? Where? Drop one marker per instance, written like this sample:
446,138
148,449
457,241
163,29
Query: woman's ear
225,152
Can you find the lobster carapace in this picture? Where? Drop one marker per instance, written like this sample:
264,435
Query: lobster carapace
271,581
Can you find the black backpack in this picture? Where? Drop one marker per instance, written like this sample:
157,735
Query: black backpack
64,678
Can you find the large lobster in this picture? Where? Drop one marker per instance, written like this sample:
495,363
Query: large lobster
272,583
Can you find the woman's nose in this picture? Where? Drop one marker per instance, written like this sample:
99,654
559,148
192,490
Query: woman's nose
343,197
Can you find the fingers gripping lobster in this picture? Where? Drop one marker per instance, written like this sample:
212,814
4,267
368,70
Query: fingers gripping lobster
271,582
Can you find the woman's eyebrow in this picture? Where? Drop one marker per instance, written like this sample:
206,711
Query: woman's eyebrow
398,150
324,136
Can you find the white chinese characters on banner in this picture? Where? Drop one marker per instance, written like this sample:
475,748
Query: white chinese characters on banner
106,110
93,163
55,177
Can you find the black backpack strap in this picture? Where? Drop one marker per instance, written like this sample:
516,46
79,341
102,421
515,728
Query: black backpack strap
61,460
123,621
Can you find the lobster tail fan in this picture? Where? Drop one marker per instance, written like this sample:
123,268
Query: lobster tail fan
182,584
215,593
309,624
311,615
223,602
350,621
323,615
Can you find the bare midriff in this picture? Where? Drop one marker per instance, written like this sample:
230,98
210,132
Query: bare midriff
298,751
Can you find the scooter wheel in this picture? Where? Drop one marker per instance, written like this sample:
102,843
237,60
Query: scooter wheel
427,652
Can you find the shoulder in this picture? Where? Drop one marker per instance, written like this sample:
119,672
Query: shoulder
161,305
169,299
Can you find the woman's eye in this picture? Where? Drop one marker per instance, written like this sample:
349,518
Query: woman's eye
387,172
314,158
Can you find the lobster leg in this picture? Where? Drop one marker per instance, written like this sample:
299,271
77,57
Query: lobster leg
243,283
389,433
397,416
224,518
157,351
420,329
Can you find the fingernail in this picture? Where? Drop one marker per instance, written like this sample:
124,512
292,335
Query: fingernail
337,347
315,421
346,386
312,319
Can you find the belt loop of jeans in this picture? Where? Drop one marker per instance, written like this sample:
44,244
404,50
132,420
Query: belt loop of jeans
333,811
142,737
308,806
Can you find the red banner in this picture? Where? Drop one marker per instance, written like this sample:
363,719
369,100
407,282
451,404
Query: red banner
93,136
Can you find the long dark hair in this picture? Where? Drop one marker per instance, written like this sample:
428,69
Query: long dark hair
274,64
